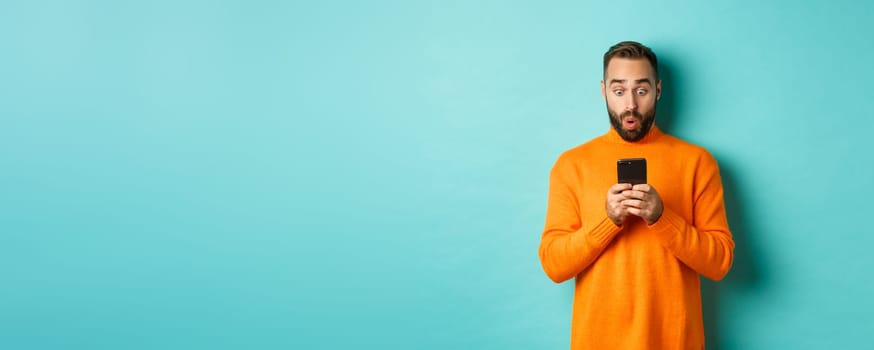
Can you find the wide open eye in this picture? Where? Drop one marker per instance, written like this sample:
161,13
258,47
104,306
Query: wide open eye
641,92
618,92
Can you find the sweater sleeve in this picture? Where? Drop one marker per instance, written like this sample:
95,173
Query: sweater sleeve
565,248
706,244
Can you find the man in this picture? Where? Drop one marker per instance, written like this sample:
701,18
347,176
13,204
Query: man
636,251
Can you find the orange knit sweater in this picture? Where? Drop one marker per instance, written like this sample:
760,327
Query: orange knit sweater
637,285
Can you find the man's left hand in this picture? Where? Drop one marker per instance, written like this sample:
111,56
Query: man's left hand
643,201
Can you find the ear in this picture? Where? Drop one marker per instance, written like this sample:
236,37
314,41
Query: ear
659,89
604,89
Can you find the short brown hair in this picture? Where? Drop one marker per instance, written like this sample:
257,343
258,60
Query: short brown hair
632,49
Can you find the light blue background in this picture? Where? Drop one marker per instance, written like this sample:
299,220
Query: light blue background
373,174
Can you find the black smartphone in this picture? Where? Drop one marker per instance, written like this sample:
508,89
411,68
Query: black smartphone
631,171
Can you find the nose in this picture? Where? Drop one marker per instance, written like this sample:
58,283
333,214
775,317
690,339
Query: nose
631,102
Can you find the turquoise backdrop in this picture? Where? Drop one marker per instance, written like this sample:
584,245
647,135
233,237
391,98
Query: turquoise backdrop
373,174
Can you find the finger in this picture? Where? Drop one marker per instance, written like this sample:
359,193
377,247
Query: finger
633,203
618,188
615,205
642,187
635,194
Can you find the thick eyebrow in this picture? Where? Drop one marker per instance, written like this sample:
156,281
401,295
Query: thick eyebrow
638,81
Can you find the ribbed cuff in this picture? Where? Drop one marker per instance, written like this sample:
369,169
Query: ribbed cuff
601,234
669,226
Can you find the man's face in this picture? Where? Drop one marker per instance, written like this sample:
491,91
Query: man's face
631,91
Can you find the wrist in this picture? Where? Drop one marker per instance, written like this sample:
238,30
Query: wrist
656,217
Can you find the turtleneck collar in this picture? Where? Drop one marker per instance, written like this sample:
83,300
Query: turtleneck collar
653,134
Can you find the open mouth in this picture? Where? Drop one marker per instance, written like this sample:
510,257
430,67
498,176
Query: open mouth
630,123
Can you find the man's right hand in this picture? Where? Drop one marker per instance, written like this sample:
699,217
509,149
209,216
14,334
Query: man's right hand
615,210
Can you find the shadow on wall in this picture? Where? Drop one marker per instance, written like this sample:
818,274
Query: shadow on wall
667,105
746,273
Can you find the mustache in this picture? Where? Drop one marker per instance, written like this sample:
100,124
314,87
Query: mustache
636,114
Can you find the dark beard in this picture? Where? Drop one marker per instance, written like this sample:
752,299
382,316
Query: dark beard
632,136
